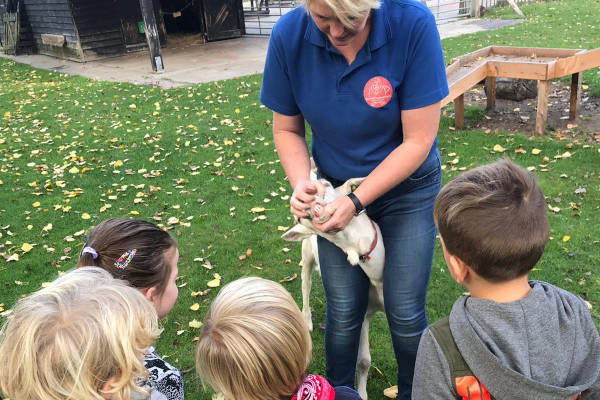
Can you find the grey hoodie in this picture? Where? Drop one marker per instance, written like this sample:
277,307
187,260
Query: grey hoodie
544,346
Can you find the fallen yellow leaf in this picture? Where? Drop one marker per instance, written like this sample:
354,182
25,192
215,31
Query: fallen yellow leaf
215,282
566,238
391,392
536,151
289,278
195,307
26,247
499,149
85,216
195,324
36,204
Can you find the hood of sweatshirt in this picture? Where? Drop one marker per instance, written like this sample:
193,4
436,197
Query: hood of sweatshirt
544,346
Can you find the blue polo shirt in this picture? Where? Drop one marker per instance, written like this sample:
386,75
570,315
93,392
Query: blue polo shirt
355,119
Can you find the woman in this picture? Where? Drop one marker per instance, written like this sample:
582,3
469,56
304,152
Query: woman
368,77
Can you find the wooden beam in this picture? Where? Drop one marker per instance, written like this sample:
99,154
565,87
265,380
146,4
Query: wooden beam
475,8
461,84
519,70
152,38
459,112
542,107
575,95
533,51
490,82
577,63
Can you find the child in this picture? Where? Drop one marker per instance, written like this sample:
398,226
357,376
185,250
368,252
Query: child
255,345
510,338
82,337
144,255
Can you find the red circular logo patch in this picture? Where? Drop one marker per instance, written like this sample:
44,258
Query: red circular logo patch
378,92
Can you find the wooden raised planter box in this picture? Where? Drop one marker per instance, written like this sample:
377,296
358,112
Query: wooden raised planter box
532,63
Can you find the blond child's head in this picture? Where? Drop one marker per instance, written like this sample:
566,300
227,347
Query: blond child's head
255,344
81,337
494,219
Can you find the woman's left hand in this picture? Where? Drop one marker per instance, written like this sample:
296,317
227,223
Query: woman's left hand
333,217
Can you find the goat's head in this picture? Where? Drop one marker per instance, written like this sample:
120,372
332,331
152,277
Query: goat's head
355,239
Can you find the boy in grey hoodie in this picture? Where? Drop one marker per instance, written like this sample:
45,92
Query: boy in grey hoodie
511,338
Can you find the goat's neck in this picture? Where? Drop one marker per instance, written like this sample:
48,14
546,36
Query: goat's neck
352,238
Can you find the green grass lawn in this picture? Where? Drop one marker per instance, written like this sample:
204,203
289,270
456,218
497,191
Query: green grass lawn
200,161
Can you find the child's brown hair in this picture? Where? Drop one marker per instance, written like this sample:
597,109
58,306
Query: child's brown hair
494,219
112,238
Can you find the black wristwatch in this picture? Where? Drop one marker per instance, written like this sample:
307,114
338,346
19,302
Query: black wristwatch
357,204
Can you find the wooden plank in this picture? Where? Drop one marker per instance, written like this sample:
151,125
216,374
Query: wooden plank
464,83
575,95
490,82
459,112
536,51
542,107
152,38
53,40
580,62
519,70
472,57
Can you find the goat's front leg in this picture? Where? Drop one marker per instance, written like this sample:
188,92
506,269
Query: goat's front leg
364,355
308,264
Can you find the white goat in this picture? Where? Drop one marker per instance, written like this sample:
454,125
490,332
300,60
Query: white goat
361,241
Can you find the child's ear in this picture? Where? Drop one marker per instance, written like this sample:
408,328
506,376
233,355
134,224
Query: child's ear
458,268
149,293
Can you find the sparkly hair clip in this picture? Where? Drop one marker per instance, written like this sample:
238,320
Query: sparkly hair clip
125,259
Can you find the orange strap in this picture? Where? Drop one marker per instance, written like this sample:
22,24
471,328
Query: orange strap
469,388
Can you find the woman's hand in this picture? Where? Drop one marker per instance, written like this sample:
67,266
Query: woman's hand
333,217
303,198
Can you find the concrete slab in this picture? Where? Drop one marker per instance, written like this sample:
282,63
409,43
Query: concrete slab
187,63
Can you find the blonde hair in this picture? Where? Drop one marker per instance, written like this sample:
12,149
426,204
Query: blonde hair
67,340
347,11
255,344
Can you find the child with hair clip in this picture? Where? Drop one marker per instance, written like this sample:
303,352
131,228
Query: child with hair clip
81,337
144,255
255,345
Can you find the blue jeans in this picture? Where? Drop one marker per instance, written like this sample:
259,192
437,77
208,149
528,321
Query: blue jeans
405,216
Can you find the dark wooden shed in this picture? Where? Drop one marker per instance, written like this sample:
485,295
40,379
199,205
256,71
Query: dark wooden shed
84,30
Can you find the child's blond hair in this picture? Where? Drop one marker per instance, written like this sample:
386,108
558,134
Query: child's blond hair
254,345
68,340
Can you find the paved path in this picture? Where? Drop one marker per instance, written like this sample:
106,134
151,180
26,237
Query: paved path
187,64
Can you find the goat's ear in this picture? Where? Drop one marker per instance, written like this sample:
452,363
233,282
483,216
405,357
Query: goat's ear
346,187
297,233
